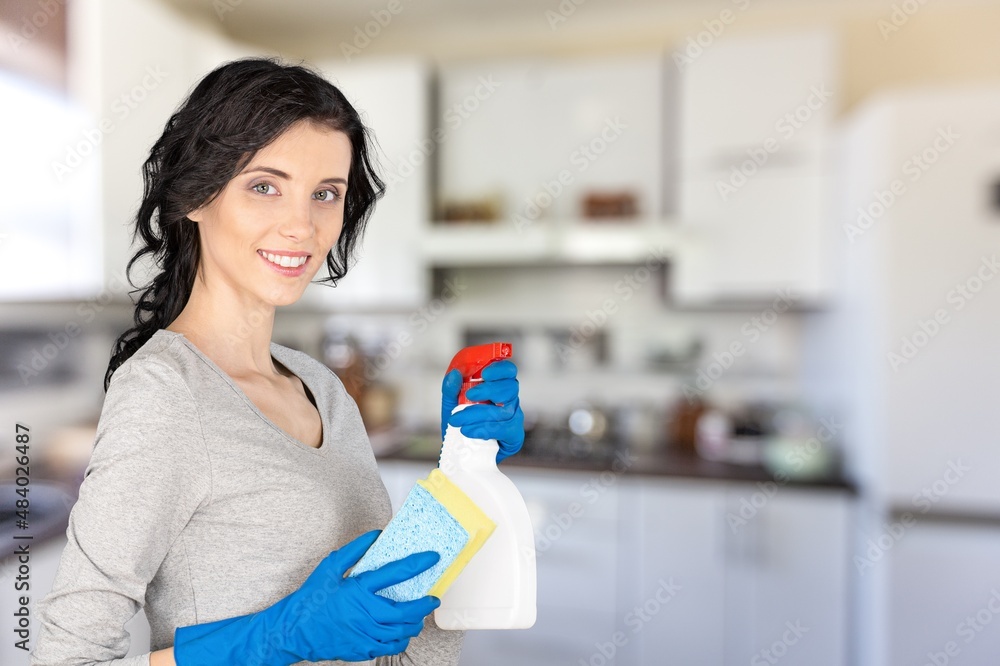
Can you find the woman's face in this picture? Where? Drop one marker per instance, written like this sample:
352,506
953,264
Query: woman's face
288,203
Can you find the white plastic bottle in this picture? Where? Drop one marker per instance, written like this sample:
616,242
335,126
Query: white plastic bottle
496,589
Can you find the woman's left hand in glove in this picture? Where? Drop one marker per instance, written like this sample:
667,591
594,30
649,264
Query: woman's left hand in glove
503,420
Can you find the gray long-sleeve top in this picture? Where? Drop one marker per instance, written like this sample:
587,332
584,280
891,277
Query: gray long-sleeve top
197,507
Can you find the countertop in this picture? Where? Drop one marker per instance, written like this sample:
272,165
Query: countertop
666,462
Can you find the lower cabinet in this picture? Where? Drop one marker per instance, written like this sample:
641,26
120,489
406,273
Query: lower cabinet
943,598
673,600
652,570
788,576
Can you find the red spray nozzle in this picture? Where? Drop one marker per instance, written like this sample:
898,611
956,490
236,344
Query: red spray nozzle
471,361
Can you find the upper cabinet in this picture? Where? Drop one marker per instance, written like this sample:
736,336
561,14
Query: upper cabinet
726,159
755,121
527,140
743,91
540,134
133,62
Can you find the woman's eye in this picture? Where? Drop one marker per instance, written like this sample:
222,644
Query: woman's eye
328,195
258,187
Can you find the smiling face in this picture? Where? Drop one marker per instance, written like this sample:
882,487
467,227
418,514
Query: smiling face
287,204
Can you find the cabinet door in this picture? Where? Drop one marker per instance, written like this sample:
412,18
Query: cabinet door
933,254
767,241
515,125
391,97
681,544
739,92
604,128
574,518
755,122
788,575
944,594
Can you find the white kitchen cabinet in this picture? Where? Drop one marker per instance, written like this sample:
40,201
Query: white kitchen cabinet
770,243
651,569
575,519
755,117
944,594
132,63
773,577
392,97
680,540
788,575
512,126
737,93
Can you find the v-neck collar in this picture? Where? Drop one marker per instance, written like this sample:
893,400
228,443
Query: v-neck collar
278,354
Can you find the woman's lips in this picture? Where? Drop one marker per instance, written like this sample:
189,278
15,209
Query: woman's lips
287,271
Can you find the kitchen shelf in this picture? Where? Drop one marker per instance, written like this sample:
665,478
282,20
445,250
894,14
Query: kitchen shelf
559,241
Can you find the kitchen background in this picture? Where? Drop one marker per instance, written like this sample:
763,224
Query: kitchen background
744,251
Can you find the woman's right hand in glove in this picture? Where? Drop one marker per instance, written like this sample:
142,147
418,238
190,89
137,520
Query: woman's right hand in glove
329,617
347,619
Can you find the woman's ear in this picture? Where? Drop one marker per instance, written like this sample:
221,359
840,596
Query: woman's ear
198,214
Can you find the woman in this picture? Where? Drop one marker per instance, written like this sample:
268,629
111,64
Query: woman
232,483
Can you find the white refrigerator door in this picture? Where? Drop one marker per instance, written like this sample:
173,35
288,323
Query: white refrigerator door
940,254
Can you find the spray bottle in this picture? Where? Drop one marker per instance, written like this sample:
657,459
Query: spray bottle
496,590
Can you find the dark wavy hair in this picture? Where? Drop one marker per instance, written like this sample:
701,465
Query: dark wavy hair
234,111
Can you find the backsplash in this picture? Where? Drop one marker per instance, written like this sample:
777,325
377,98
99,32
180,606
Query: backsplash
580,333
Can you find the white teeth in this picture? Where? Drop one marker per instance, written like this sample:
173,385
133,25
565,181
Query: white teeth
284,260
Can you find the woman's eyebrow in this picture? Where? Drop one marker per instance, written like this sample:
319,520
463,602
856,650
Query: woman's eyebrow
281,174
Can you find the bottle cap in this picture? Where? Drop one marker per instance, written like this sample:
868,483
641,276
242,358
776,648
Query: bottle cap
471,361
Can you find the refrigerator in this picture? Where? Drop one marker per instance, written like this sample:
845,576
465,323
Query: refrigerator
908,351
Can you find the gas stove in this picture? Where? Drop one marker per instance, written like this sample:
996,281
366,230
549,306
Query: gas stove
562,445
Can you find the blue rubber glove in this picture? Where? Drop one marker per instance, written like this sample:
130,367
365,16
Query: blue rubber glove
503,423
329,617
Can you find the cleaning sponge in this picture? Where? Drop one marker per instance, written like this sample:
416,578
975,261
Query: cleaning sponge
437,515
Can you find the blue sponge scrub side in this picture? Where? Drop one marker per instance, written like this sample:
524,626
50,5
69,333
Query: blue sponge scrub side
422,523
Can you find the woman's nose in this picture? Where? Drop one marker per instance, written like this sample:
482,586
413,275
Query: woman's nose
297,221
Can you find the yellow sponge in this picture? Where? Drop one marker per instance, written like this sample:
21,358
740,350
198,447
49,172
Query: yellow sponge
469,516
